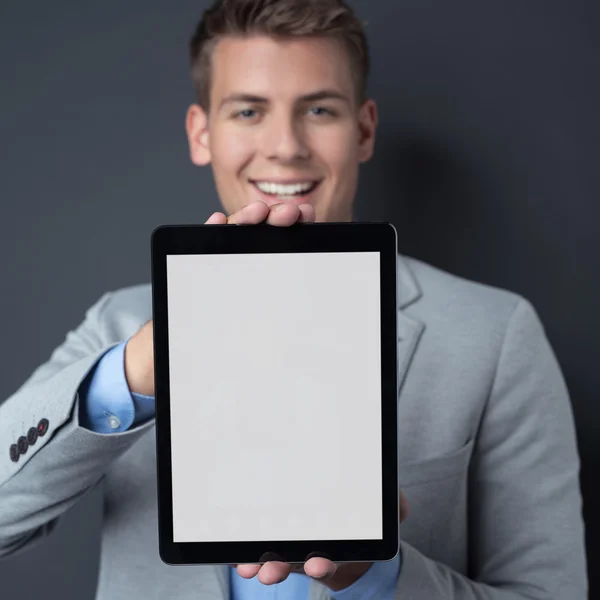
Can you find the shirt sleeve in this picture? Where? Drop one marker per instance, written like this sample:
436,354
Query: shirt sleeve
106,405
378,583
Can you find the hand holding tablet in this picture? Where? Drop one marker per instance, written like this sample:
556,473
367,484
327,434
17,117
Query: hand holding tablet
309,381
336,576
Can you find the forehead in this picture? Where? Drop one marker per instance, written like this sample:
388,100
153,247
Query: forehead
283,68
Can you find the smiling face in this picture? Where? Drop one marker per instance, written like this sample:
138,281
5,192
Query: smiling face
284,124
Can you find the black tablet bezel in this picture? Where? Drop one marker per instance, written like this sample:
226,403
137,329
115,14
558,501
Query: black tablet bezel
240,239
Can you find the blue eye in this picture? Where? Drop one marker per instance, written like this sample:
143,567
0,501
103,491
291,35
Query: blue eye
319,110
247,113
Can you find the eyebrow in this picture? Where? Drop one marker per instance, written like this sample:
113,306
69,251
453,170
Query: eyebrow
313,97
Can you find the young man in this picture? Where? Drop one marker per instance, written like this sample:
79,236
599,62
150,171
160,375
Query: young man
488,458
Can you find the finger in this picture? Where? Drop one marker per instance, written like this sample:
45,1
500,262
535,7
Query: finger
252,214
319,568
283,215
307,213
403,507
274,572
247,571
217,218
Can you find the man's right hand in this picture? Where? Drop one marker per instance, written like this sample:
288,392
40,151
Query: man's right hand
139,350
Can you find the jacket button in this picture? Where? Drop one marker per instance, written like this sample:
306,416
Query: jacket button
32,435
22,444
42,427
14,453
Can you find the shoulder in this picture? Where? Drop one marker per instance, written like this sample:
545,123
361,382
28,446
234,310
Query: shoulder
464,311
442,291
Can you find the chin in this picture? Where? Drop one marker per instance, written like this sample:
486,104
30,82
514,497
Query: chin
323,215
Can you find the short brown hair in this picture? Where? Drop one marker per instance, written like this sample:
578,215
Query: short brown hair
279,18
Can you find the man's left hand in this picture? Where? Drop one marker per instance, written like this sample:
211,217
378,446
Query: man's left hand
336,576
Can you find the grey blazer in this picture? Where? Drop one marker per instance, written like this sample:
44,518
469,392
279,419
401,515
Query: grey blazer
487,450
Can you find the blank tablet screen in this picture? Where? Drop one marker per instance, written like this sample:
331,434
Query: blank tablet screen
275,396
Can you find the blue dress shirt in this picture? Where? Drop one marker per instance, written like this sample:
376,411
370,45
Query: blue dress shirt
106,405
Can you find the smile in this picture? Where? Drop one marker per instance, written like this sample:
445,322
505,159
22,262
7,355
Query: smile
288,189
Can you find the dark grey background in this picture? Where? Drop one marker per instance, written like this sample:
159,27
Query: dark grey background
487,163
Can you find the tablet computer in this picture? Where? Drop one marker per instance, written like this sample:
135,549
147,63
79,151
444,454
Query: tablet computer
276,392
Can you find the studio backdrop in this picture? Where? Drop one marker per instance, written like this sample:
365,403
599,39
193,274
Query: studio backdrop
486,162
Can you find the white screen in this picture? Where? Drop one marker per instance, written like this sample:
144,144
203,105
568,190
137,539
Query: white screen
275,383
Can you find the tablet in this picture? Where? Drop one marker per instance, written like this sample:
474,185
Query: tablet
276,392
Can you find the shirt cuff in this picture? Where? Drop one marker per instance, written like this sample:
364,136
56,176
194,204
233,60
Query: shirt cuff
379,582
108,406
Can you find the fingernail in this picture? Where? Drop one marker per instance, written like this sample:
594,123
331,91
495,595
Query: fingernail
279,207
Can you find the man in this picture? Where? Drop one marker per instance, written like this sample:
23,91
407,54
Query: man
488,458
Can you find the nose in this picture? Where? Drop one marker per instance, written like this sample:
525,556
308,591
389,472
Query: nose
285,140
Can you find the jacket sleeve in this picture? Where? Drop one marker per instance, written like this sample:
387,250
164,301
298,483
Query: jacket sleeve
526,533
61,460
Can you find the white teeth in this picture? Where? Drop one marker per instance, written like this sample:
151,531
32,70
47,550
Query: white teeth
283,190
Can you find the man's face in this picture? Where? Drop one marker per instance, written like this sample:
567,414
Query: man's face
284,125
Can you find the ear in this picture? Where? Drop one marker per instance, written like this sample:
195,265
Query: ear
196,126
367,124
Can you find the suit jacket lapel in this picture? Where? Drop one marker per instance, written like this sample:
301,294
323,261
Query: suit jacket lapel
409,328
